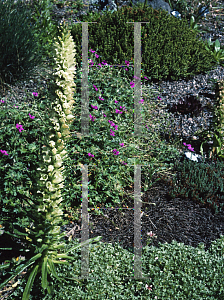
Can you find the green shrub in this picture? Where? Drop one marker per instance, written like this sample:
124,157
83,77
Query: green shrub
18,52
18,167
112,171
170,50
200,182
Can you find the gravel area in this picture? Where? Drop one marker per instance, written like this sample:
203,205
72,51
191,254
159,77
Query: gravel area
172,92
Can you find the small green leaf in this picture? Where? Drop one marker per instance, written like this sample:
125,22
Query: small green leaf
50,289
96,239
29,284
63,256
61,262
209,41
217,45
4,266
44,273
51,265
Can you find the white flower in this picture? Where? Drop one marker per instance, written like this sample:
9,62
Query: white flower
56,195
57,180
64,126
65,132
59,107
61,147
61,185
44,177
54,120
54,151
50,187
57,157
59,134
65,105
52,144
69,117
47,158
57,126
63,152
57,177
46,198
41,208
58,164
50,168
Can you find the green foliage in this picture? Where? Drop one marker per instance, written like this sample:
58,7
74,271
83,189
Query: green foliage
111,172
24,149
18,52
180,6
44,27
18,168
216,124
183,7
170,50
172,271
200,182
189,8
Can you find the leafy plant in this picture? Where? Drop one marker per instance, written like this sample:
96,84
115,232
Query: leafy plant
200,182
44,238
19,51
165,269
104,150
190,8
169,49
155,153
217,124
44,27
215,50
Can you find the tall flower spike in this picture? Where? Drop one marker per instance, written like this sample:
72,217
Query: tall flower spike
48,207
45,238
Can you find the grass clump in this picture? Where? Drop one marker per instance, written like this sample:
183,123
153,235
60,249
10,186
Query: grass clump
19,47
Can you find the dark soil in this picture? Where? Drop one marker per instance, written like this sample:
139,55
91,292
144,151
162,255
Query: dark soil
179,219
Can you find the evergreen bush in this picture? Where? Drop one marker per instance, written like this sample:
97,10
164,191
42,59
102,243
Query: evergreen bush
170,49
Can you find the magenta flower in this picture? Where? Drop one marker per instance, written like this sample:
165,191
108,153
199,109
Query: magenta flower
189,146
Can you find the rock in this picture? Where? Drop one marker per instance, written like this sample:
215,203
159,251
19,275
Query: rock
111,6
103,4
176,14
155,4
193,157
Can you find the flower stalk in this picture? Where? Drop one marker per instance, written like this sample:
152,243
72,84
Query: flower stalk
218,123
44,238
